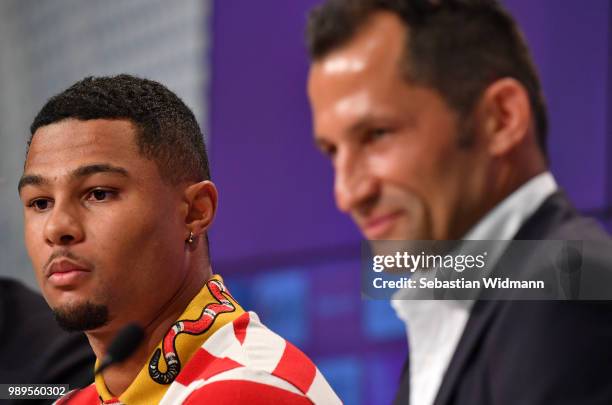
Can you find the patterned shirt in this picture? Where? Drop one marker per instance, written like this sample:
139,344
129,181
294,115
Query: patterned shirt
232,358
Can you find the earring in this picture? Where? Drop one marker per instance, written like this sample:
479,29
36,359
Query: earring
190,239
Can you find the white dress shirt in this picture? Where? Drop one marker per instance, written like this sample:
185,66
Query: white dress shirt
434,327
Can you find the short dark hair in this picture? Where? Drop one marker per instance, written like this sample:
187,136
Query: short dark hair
457,47
168,132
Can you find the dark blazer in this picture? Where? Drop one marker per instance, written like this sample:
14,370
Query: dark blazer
533,352
33,348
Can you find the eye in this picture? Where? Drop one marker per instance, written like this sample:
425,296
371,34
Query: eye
376,133
100,194
40,204
329,151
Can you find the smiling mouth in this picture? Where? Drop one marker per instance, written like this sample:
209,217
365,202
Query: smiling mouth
377,227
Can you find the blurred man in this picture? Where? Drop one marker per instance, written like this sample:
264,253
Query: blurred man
33,347
117,202
432,115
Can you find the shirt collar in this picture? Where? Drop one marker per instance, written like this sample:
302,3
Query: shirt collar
210,309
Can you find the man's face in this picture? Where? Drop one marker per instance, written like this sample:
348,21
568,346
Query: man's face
399,170
101,226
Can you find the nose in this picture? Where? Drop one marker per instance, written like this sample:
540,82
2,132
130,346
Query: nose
63,227
354,184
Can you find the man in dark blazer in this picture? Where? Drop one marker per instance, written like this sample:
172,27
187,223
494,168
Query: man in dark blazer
535,352
432,116
33,348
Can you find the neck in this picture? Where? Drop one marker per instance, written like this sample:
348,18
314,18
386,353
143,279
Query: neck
509,177
518,170
503,177
118,377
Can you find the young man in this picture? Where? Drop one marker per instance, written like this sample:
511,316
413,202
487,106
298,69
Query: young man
117,202
432,116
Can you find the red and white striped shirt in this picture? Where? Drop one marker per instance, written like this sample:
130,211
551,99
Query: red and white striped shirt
242,362
245,362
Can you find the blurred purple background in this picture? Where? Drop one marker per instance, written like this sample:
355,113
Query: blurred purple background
277,224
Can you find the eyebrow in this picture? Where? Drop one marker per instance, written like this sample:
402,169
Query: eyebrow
359,126
78,173
364,123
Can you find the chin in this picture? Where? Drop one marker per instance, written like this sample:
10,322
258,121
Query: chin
407,234
81,316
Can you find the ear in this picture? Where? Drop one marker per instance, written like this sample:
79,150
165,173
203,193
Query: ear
201,201
504,115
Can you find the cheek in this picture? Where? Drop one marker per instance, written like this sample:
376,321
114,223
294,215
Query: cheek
415,177
401,166
35,242
139,238
425,166
121,231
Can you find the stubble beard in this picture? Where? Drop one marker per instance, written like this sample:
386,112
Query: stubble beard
81,317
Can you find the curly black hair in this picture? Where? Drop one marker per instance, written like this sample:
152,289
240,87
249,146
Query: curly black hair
168,132
457,47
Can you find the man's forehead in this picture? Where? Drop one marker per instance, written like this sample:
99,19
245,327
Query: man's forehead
72,139
347,113
380,38
371,59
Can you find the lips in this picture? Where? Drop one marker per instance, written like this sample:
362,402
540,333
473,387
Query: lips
65,273
376,227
